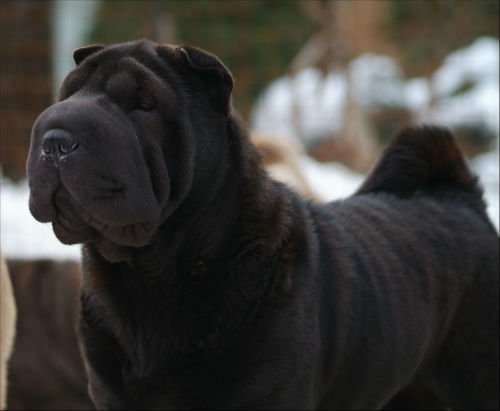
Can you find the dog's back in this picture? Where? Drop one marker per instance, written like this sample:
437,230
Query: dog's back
419,300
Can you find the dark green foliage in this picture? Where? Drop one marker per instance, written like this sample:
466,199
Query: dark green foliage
426,31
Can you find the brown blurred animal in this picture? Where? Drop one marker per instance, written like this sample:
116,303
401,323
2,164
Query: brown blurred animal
46,369
7,327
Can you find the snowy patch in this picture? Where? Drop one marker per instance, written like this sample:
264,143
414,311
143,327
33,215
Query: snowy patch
310,106
417,94
476,64
377,81
306,106
21,235
486,167
332,181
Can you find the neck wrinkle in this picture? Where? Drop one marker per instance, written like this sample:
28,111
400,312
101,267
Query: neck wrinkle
245,214
202,228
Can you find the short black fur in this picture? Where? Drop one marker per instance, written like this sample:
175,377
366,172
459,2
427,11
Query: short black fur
207,285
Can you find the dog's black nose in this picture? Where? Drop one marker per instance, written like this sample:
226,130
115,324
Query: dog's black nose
57,144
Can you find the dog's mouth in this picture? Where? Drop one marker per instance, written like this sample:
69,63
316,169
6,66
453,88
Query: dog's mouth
76,225
88,215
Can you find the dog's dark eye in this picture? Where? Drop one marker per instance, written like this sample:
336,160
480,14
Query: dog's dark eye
144,106
144,103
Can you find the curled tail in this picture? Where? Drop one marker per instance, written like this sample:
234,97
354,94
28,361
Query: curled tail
423,159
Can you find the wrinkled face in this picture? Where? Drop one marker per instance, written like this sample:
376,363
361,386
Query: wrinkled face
117,154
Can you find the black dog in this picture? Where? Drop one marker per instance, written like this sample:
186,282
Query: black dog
208,285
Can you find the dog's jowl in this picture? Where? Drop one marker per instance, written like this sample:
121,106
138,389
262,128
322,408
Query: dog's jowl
207,285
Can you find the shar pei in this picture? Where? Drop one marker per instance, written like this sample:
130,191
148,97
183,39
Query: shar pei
208,285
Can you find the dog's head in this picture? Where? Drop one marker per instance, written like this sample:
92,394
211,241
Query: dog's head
137,125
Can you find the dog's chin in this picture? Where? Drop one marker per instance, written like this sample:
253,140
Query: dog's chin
72,236
75,223
132,235
113,244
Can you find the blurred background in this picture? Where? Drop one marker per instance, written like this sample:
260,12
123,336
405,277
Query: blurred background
322,84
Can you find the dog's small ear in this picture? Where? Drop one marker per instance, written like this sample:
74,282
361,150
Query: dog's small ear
215,74
82,53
